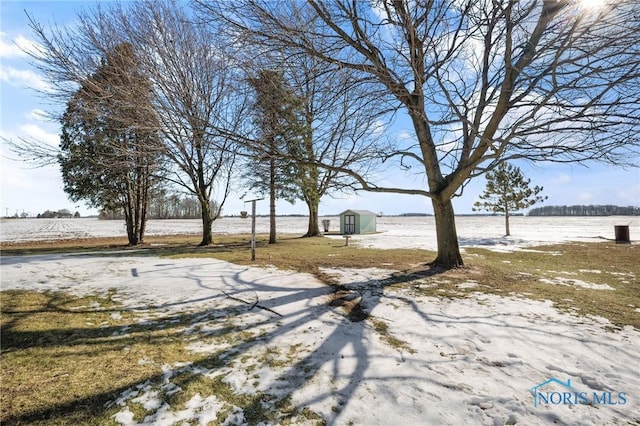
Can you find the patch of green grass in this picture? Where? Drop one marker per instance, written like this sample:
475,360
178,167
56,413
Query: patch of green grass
293,350
258,407
138,410
273,358
312,415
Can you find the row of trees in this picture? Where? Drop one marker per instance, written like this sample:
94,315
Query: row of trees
300,95
165,205
62,213
155,99
585,210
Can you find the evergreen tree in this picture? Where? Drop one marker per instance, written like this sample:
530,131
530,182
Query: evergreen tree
507,191
280,130
106,155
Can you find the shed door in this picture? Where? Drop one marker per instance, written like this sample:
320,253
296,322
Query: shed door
349,224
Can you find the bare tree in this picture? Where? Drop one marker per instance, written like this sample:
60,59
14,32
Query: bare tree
197,97
343,118
482,82
193,92
344,127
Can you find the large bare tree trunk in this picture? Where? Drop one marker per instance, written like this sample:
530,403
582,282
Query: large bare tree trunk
207,222
446,234
543,80
130,220
144,205
313,229
130,214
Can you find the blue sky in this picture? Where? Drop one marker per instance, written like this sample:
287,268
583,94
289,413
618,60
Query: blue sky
35,190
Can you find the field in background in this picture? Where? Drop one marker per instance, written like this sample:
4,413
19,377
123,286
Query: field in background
393,232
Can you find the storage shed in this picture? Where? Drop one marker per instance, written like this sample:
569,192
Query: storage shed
357,222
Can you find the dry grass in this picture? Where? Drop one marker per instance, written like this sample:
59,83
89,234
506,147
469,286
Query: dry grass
573,276
528,273
563,274
63,357
382,329
66,359
94,244
60,352
524,273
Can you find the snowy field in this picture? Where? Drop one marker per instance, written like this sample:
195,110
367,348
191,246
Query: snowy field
393,232
468,361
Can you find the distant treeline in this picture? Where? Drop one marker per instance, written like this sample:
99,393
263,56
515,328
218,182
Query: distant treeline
55,214
164,205
581,210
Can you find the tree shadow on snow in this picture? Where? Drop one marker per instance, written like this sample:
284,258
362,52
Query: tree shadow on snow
281,318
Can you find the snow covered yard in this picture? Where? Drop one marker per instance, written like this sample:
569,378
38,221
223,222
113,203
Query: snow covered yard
284,354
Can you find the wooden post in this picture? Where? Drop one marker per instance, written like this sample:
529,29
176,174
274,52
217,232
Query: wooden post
253,230
253,226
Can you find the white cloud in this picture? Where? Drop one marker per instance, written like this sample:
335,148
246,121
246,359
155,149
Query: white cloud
37,115
18,47
379,127
29,46
22,78
33,131
378,10
404,135
24,185
9,48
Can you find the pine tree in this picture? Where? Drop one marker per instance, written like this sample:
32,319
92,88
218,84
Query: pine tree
107,154
278,120
507,191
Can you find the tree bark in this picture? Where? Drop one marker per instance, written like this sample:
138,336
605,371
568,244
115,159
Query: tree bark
313,229
506,222
272,201
132,236
144,204
207,221
446,234
129,218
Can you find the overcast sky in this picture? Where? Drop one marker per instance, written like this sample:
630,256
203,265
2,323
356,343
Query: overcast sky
36,190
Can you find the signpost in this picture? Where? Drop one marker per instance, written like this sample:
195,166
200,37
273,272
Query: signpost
253,226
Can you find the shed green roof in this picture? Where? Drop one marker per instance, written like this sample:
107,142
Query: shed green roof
359,212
